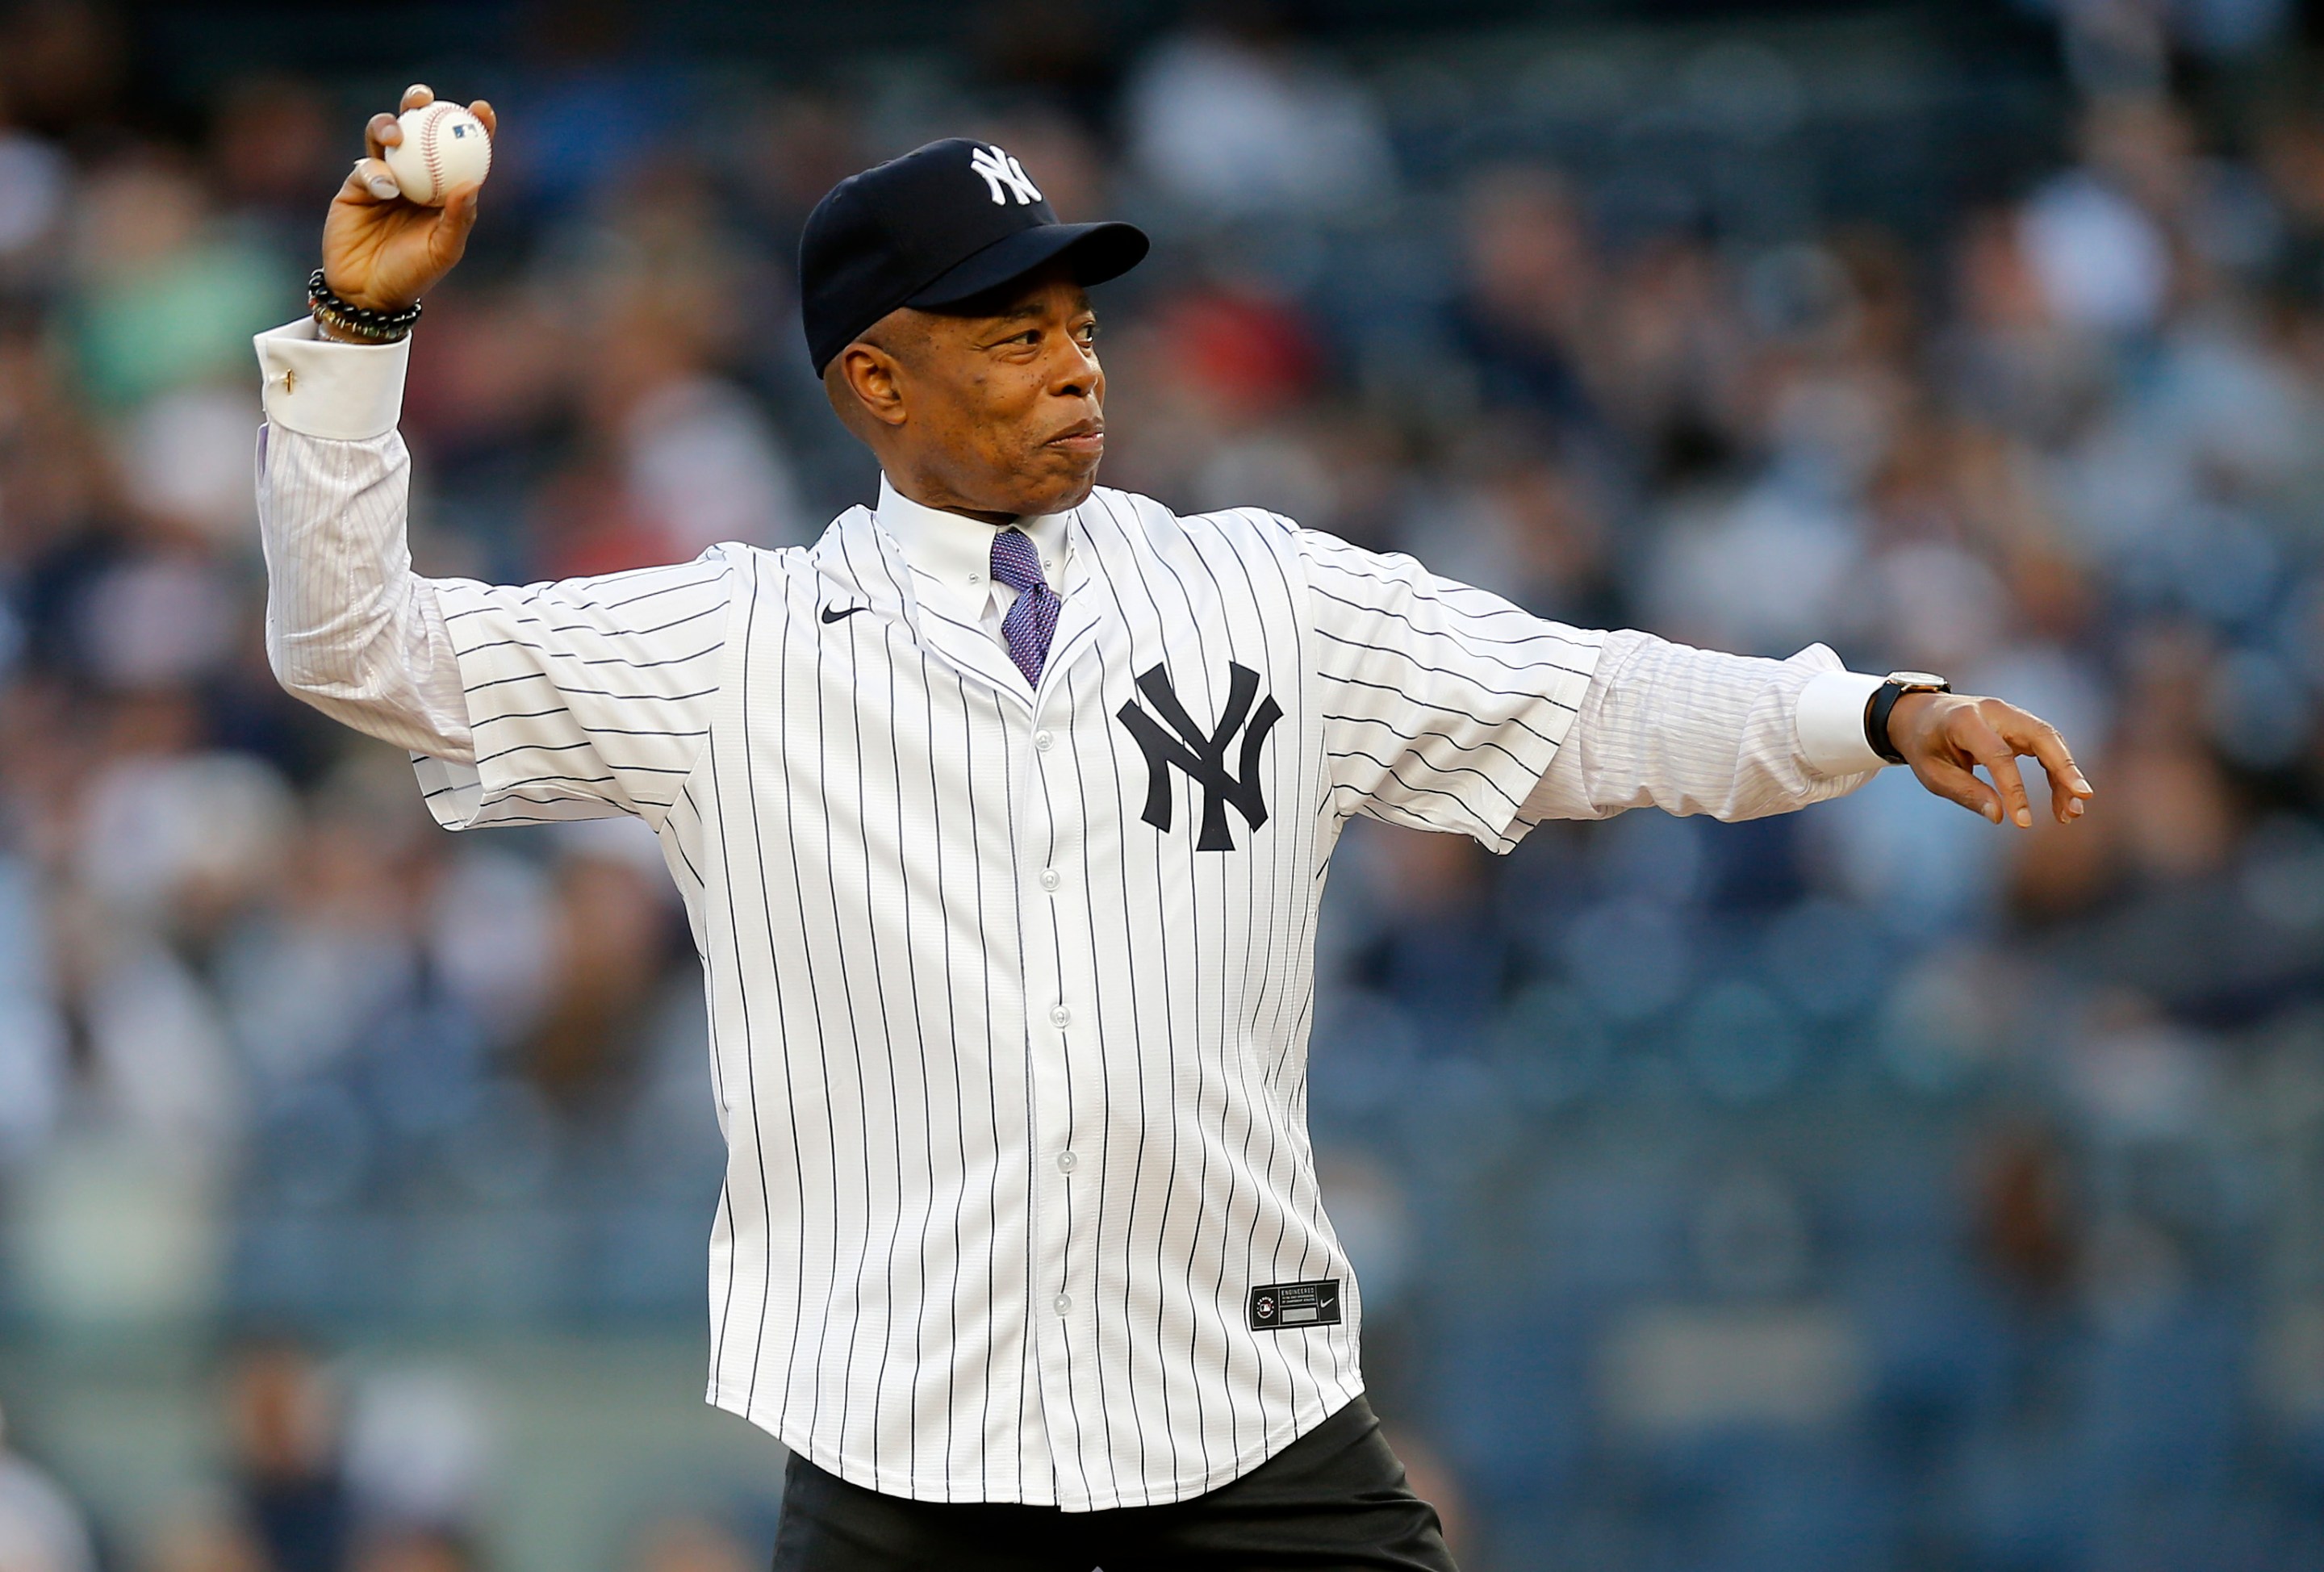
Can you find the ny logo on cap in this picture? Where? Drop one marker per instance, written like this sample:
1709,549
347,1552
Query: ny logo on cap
1003,176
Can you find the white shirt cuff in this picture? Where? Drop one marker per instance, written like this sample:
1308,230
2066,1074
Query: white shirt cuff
345,393
1829,721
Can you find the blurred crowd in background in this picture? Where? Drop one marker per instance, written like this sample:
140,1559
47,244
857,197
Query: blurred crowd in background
1867,1189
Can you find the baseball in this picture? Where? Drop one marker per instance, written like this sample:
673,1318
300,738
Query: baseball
444,147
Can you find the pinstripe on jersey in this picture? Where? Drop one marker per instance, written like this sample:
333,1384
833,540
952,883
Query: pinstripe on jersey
1014,1082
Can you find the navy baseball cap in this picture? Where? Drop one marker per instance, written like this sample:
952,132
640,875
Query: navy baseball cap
939,225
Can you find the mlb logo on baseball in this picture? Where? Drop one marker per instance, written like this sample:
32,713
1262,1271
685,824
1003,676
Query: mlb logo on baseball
442,147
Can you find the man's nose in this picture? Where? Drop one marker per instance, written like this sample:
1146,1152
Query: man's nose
1075,374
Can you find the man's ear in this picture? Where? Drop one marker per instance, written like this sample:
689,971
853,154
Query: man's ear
873,382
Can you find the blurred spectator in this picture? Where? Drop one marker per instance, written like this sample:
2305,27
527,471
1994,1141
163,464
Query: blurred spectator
162,296
2102,261
274,144
41,1528
691,1544
1440,954
1532,285
35,178
1237,121
2025,1214
598,102
285,1419
197,1540
62,65
1511,515
610,946
415,1551
419,1455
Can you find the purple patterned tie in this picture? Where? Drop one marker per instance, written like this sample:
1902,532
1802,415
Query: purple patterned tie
1027,629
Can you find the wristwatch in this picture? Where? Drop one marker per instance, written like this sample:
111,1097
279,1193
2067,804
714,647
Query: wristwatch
1893,687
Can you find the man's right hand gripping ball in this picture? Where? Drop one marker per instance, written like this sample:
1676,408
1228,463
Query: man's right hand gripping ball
382,252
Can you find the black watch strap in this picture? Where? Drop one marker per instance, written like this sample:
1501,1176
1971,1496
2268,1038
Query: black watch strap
1876,721
1884,702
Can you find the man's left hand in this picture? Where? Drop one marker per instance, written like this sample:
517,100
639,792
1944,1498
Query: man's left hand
1945,736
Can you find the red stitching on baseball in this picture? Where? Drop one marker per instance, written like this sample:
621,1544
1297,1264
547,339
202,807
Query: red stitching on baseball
428,151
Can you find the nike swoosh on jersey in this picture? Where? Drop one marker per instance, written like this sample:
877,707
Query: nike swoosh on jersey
832,613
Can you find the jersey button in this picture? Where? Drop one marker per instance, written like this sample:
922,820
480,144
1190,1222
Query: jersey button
1066,1161
1061,1017
1049,880
1065,1304
1042,740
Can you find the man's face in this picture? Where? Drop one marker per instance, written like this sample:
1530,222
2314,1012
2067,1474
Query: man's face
1002,412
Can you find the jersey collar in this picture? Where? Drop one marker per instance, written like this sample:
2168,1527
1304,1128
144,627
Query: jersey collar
951,554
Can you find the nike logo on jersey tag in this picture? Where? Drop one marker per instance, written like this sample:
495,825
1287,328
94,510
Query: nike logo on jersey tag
1279,1305
832,613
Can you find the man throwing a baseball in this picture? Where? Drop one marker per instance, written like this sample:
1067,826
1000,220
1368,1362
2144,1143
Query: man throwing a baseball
1002,815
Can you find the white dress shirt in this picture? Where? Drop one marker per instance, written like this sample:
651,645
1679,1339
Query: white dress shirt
951,556
1009,983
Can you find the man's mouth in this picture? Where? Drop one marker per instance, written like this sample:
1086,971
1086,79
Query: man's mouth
1080,437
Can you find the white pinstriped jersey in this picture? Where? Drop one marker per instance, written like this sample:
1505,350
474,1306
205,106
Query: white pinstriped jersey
1012,1075
1009,985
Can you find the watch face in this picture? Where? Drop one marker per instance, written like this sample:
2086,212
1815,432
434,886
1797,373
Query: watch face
1918,680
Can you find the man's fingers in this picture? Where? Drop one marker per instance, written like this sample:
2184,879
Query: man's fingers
370,181
2029,734
1956,783
484,112
2003,767
1970,734
450,241
1999,757
382,131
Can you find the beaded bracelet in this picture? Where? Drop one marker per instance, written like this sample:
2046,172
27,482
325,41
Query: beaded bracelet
379,327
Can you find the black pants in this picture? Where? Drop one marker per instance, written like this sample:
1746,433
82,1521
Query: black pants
1333,1499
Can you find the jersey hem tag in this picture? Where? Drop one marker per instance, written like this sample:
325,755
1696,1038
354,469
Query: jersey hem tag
1281,1305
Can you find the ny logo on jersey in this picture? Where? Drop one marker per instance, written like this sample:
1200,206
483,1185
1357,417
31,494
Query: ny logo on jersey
1203,755
1003,176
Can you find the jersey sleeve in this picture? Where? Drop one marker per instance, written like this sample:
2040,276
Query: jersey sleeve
1696,731
586,697
1443,704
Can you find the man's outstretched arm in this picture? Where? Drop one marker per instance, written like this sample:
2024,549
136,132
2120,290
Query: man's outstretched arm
1694,731
1451,708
